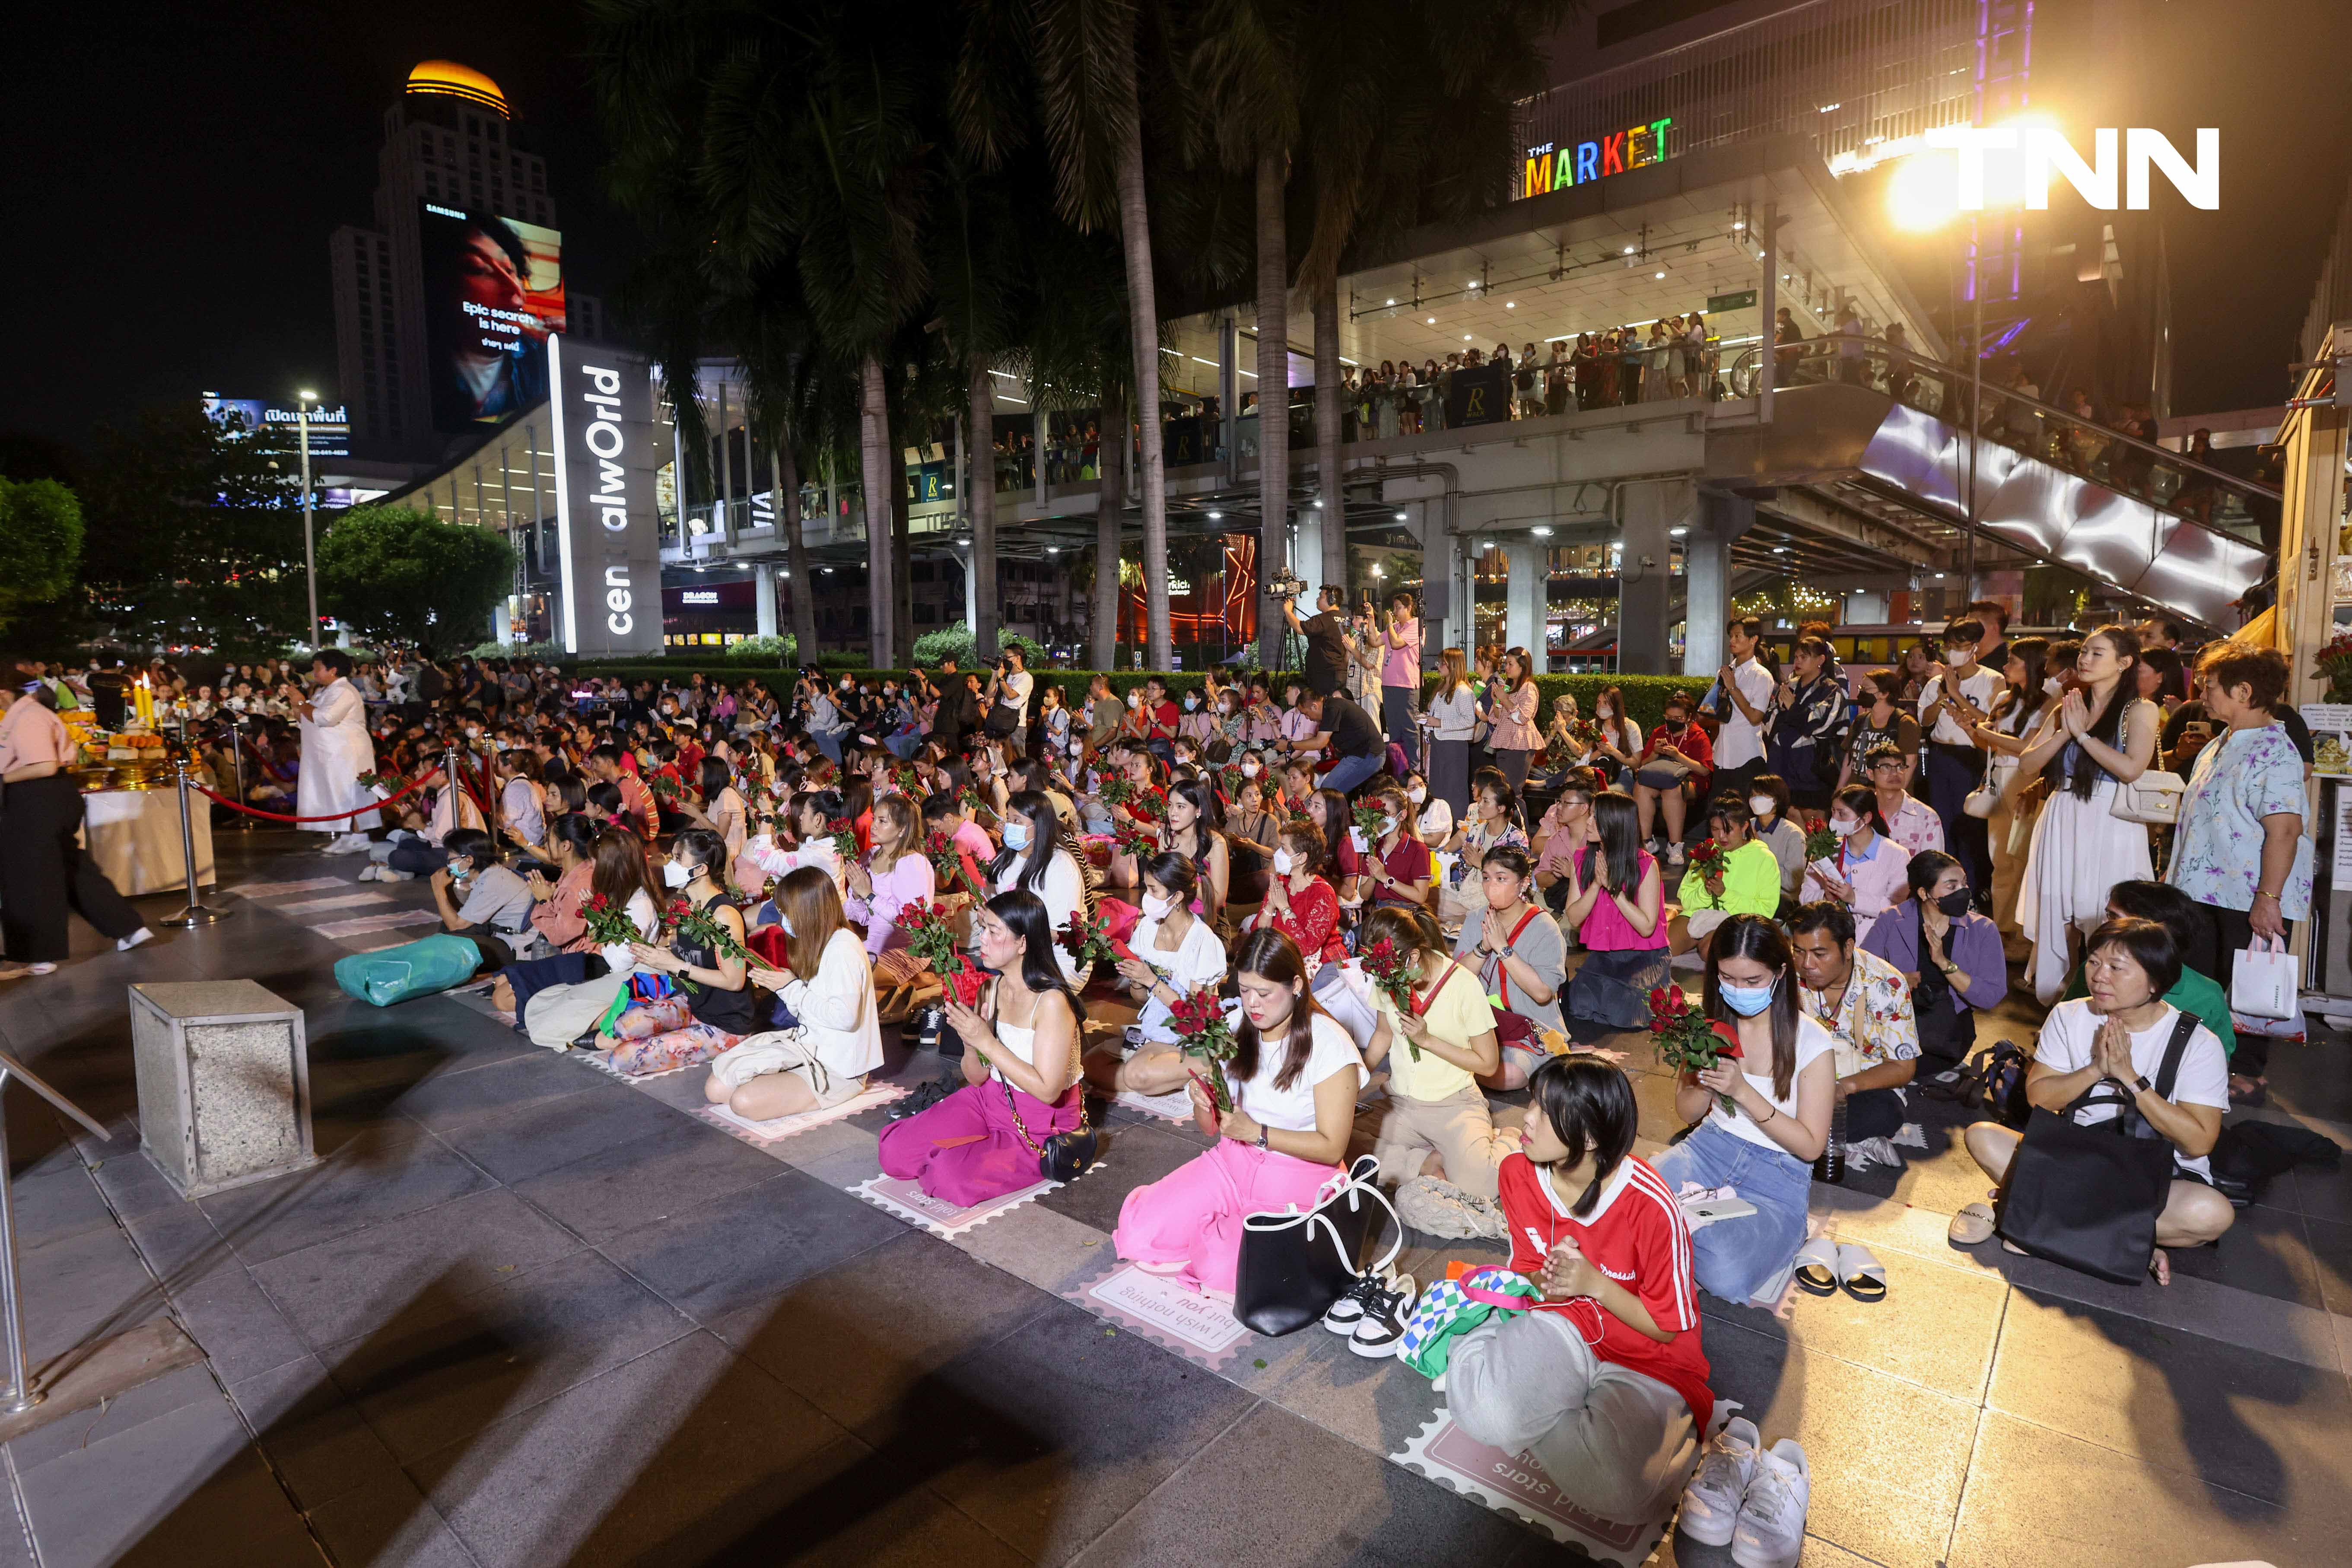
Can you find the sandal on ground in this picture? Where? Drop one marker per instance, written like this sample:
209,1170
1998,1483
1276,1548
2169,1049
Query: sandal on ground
1816,1265
2256,1092
1863,1277
1972,1226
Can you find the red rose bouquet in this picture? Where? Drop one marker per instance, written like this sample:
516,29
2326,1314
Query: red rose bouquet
1116,790
1199,1021
609,922
665,787
930,938
1148,804
701,928
1708,858
1370,821
1687,1039
951,866
1821,844
1089,941
843,833
1391,972
1134,837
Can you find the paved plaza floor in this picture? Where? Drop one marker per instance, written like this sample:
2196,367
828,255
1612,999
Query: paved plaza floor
526,1313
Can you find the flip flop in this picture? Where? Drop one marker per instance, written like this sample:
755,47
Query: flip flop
1863,1277
1816,1267
1972,1226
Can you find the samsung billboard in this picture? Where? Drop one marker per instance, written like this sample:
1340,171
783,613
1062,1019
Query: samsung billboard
493,298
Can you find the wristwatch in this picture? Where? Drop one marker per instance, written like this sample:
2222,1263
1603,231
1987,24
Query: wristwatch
1261,1135
2141,1083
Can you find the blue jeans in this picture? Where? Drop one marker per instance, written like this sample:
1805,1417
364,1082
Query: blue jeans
829,743
903,747
1734,1259
1352,772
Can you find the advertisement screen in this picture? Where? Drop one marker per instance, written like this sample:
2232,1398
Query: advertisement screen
331,429
493,293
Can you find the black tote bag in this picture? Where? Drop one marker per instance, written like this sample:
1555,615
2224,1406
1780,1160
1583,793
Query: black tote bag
1294,1265
2088,1196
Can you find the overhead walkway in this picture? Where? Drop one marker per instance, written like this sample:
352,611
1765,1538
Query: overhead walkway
1886,435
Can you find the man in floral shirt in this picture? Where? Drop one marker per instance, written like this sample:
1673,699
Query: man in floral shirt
2239,850
1910,821
1862,1000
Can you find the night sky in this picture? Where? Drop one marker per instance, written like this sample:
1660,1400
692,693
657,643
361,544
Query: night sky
173,173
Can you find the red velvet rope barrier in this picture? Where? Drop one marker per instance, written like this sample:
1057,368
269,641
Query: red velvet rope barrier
332,816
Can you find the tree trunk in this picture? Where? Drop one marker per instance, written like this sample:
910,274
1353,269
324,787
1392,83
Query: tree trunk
796,564
873,451
1273,398
1110,524
1143,320
902,585
1329,480
980,501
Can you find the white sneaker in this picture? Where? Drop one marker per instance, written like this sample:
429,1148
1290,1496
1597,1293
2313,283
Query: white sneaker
368,873
145,934
1711,1502
1771,1530
1386,1311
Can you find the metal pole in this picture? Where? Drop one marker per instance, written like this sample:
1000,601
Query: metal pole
21,1394
237,761
1976,404
310,554
196,914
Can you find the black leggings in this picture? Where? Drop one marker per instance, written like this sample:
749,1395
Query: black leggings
44,872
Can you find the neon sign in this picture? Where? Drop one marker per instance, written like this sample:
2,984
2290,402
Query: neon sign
1556,168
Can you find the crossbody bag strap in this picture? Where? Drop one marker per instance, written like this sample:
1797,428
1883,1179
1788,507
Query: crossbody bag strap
2174,1048
1502,973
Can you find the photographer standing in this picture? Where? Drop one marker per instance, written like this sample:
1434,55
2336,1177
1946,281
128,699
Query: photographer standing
1009,686
1326,636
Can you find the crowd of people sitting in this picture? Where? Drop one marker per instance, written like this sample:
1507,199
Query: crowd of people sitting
1464,895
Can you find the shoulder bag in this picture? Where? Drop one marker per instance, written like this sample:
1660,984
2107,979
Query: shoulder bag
2153,799
1063,1156
2088,1196
1294,1264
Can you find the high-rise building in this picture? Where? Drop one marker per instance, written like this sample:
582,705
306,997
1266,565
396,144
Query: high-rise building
442,304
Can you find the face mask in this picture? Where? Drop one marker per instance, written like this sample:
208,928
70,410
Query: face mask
1416,796
1155,907
1600,710
675,875
1016,835
1959,658
1748,1000
786,921
2053,685
1282,862
457,869
1249,770
472,733
1191,704
1761,805
1953,904
1388,825
1674,723
1844,830
1135,700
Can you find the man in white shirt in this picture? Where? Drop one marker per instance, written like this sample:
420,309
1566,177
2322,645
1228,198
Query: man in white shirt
1744,702
1010,688
1959,694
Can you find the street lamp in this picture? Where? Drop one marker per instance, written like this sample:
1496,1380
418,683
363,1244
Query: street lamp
302,401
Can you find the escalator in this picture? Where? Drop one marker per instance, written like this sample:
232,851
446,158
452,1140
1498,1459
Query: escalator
2149,524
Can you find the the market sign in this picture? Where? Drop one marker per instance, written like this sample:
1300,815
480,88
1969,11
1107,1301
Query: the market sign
1557,166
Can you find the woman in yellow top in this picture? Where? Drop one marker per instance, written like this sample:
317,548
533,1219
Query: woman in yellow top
1435,1124
1747,884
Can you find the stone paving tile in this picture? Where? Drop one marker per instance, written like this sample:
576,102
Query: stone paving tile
394,1171
542,1132
55,1205
1935,1327
239,1328
87,1287
387,1520
1132,1157
315,1437
453,1100
744,1250
619,1188
84,1428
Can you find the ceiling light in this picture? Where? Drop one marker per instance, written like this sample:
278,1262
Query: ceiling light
1662,274
1052,550
1392,301
1676,533
1215,515
1939,577
1319,506
1739,223
1432,321
1400,516
1629,250
1779,550
1510,304
1540,532
1465,337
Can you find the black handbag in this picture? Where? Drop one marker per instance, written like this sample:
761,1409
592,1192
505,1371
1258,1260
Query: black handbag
1063,1156
1294,1265
1000,720
2088,1196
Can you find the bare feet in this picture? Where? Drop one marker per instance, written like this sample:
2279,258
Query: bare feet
2160,1265
502,995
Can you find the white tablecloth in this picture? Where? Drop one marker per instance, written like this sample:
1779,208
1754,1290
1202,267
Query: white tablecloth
134,836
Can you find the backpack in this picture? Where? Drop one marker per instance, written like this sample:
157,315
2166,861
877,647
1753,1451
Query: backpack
2000,1083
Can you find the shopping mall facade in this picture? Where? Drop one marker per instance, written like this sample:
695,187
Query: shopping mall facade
1735,169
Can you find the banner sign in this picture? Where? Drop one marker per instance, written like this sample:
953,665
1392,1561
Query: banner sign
608,537
1478,394
1557,166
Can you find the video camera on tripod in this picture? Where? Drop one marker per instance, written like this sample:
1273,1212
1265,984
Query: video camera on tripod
1285,584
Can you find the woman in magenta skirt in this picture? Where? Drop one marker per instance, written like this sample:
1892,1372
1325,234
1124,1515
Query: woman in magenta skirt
1020,1068
1293,1080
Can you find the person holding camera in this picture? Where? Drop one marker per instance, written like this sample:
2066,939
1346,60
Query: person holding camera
1326,636
1009,686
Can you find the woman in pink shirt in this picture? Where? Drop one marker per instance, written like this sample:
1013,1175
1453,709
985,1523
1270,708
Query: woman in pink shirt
895,874
1870,873
42,869
1514,738
1400,675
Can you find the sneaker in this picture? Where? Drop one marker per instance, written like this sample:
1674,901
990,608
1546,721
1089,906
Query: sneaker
368,873
1711,1502
143,933
1441,1209
1771,1530
1386,1309
1348,1310
1673,854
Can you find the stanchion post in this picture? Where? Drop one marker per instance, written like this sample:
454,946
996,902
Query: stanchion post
236,757
197,912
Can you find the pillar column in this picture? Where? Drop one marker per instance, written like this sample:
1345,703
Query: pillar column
962,549
1646,511
1526,602
1306,554
1714,524
763,596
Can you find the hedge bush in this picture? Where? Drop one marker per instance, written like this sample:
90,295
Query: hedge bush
1645,695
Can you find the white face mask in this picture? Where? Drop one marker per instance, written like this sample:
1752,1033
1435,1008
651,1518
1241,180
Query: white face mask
1844,830
786,921
1135,700
1388,825
1761,805
2053,685
675,875
1282,862
1155,907
1416,796
1249,768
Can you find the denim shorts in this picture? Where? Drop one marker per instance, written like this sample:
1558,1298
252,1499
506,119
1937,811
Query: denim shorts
1734,1259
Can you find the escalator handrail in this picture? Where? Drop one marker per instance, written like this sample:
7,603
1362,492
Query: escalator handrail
1830,341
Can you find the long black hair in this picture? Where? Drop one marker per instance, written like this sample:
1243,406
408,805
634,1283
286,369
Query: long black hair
1591,1107
2033,653
1037,811
1621,841
1756,938
1271,955
1023,914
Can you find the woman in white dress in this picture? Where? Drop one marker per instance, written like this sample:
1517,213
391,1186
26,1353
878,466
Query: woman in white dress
336,750
2095,735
